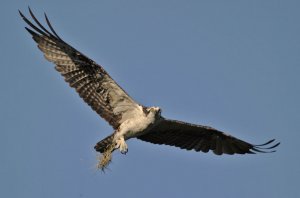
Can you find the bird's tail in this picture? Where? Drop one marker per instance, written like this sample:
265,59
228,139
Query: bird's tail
104,144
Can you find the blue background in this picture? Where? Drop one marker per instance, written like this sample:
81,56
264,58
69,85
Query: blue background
233,65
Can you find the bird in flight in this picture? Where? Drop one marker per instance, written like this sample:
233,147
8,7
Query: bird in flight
128,118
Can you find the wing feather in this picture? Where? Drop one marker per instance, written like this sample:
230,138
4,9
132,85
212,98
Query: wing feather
90,80
201,138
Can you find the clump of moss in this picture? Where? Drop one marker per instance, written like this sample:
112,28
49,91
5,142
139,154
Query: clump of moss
106,157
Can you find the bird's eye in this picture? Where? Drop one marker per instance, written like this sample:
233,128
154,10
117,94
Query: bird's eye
159,111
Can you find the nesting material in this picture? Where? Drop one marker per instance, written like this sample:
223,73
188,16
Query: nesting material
106,157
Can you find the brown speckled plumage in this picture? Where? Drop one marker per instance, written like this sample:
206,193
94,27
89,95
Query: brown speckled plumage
87,77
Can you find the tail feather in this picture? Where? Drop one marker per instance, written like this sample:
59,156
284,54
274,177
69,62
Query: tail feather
104,144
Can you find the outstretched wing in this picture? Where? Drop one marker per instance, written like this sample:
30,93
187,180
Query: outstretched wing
90,80
201,138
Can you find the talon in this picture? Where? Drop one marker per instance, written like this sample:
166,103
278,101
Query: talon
121,144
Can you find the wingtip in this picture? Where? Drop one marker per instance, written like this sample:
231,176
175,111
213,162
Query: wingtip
50,26
262,149
268,142
30,31
47,19
21,14
30,11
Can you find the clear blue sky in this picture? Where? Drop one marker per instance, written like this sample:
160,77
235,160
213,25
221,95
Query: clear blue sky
233,65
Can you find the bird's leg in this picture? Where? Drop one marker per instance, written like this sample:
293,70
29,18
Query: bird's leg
121,144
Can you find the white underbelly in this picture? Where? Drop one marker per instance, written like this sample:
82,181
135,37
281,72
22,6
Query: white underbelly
135,127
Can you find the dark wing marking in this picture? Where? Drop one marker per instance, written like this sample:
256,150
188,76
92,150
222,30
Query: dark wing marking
201,138
90,80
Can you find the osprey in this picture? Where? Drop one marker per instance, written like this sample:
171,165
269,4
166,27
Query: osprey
128,118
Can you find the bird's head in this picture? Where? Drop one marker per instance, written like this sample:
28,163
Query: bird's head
155,110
